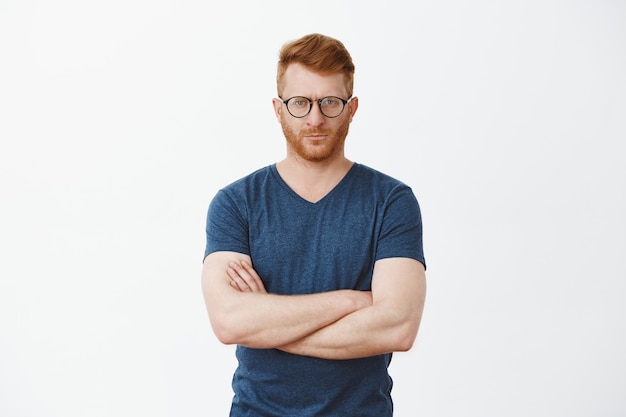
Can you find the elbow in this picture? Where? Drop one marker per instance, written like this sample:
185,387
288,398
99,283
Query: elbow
224,334
228,327
405,343
229,332
225,330
407,325
404,336
231,327
223,317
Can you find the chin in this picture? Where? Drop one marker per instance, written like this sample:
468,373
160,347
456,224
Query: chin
329,149
319,153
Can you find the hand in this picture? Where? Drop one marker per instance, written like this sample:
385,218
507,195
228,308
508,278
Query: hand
244,278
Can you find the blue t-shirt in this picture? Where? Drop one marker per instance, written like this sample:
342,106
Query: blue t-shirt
299,247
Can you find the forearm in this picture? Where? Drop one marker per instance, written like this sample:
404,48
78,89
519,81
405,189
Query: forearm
390,324
261,320
367,332
326,325
269,320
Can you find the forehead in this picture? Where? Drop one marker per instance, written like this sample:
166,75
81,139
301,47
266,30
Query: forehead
300,81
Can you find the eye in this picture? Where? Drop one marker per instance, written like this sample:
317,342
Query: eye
300,102
329,101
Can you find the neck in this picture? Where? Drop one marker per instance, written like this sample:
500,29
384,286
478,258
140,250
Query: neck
310,179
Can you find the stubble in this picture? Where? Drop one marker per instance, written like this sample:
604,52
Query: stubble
316,151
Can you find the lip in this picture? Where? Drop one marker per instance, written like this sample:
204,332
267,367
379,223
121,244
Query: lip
316,137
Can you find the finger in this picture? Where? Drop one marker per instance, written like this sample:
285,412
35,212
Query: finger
252,282
236,281
234,285
257,284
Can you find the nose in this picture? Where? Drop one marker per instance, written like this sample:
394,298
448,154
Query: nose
315,116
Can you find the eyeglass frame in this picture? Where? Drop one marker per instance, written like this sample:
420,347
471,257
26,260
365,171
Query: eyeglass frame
319,103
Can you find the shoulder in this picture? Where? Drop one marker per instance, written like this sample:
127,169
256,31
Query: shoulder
240,193
260,175
255,190
392,196
378,181
371,174
249,186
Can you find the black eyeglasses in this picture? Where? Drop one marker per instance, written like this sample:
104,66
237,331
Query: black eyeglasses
330,106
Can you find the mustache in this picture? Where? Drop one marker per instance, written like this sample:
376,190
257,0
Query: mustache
315,132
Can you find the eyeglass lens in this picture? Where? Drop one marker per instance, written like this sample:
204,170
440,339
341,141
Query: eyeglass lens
329,106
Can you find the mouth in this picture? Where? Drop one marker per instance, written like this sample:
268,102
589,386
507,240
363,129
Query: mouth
316,136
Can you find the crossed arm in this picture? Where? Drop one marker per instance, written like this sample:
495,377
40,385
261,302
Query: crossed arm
341,324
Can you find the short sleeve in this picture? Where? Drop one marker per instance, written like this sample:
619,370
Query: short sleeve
226,225
401,231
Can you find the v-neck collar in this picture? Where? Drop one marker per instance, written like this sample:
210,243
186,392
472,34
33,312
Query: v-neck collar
303,200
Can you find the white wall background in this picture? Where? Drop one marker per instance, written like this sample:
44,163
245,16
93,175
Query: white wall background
119,120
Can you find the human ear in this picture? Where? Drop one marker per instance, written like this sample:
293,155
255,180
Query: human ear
353,106
278,107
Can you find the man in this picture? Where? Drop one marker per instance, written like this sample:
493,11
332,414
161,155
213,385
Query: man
314,265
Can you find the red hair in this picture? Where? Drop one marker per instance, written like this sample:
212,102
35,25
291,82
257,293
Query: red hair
318,53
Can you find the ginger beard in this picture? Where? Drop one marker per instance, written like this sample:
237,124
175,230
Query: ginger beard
316,151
